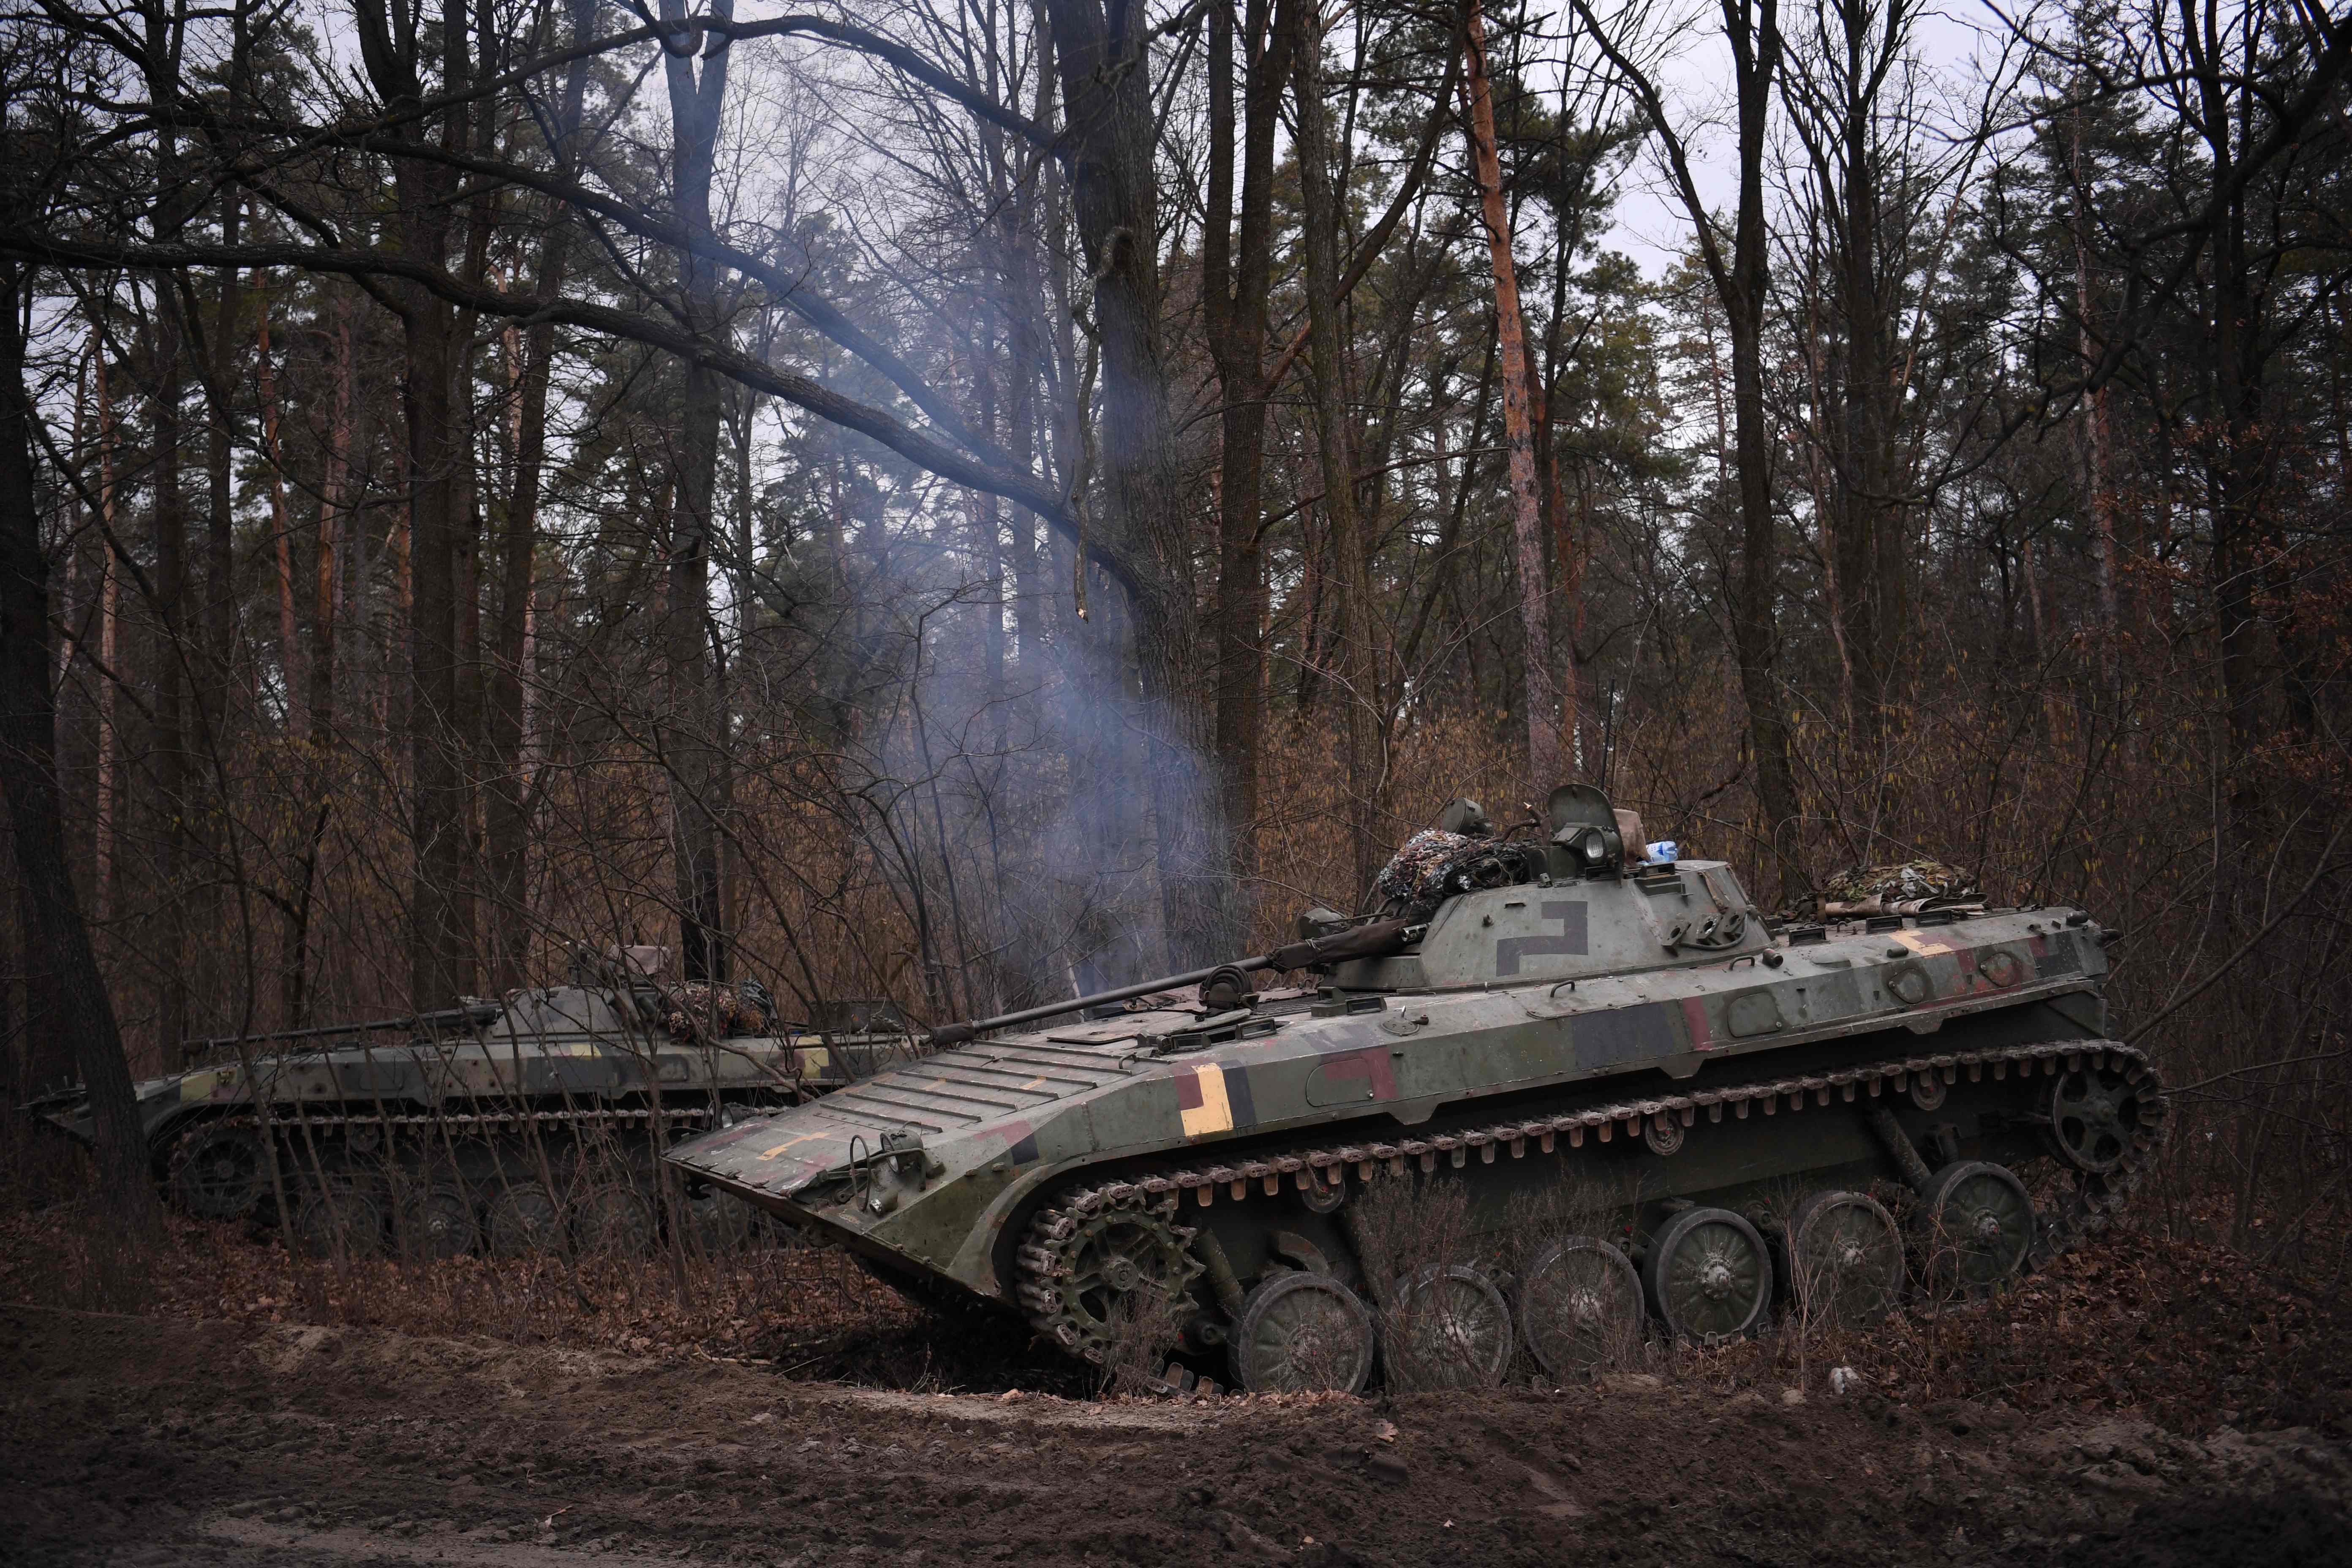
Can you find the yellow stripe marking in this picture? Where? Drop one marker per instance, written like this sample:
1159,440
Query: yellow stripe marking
1920,944
1216,1113
772,1152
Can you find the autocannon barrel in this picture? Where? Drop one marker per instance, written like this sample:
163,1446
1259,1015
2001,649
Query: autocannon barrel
1376,940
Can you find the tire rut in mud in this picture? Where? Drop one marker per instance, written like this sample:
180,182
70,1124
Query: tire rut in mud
131,1442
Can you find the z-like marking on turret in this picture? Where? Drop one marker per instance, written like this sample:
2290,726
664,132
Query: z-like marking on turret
1572,941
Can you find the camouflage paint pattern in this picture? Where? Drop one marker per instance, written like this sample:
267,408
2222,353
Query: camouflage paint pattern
1517,995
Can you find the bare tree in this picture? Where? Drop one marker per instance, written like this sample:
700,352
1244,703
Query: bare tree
1543,704
1737,266
28,775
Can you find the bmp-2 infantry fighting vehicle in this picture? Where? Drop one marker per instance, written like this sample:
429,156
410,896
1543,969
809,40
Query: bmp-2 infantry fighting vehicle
504,1125
1819,1105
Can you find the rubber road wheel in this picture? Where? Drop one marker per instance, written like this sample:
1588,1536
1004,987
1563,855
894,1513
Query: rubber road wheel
1845,1260
339,1215
438,1222
1580,1306
218,1172
523,1219
1977,1225
1302,1334
1708,1276
1448,1327
614,1219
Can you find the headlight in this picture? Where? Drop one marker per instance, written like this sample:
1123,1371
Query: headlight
1596,848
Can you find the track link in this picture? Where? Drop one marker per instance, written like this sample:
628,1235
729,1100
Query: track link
2084,1211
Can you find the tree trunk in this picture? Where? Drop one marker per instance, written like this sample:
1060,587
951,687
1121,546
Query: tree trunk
1741,281
108,807
1842,123
2095,409
1567,528
440,940
690,737
295,980
28,776
1356,667
334,513
2234,468
506,804
441,936
289,655
219,618
1236,287
1757,51
166,650
1542,687
1114,192
166,655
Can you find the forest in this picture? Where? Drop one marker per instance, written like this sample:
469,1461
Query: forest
969,502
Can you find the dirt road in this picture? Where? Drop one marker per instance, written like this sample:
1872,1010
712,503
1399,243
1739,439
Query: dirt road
127,1441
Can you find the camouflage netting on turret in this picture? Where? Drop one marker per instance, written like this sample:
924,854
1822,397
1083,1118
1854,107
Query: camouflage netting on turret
1434,865
1904,890
698,1009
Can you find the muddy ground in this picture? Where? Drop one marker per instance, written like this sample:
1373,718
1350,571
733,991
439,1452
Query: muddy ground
140,1441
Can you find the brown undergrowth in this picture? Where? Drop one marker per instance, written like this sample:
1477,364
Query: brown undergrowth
2186,1332
752,1302
2179,1329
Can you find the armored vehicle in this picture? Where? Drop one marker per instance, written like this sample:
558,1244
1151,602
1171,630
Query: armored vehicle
498,1125
1811,1115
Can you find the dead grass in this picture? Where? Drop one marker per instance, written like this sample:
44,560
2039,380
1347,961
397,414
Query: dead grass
2176,1326
1409,1232
1144,1328
2181,1329
1415,1234
755,1302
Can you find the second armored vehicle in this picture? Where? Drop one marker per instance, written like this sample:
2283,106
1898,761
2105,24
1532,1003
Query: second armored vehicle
505,1126
1816,1116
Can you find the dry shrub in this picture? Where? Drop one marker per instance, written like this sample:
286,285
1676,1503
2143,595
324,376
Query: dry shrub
1145,1326
762,1302
1319,1353
82,1264
1404,1225
2188,1332
1413,1233
1576,1204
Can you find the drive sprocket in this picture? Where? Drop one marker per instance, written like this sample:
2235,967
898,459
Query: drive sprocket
1088,1279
